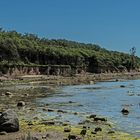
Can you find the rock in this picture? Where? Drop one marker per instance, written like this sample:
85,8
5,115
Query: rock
81,123
125,111
3,133
122,86
111,132
65,124
84,122
84,127
72,137
79,105
21,104
48,135
44,137
67,129
35,138
8,93
44,109
26,94
9,121
98,129
50,110
83,132
61,111
30,123
21,79
100,119
75,113
71,102
49,123
131,94
93,132
35,118
92,116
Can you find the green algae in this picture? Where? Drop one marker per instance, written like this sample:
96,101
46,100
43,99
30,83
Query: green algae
38,127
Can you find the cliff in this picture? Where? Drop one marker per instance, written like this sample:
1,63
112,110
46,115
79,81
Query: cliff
27,54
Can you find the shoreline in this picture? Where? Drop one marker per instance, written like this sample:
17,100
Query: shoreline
77,78
87,78
37,128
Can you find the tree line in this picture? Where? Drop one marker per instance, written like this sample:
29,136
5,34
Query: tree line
23,49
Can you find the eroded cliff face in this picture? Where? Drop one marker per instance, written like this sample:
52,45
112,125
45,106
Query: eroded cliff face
62,70
39,70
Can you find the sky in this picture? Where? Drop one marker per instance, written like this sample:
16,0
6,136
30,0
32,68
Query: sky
112,24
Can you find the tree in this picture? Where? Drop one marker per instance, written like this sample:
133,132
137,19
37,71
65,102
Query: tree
132,53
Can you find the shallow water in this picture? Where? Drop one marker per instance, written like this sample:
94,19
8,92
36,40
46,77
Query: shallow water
104,99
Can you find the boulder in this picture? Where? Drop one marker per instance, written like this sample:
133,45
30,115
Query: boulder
9,121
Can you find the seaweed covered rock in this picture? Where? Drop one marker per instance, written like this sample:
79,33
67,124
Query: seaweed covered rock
98,129
100,119
67,129
9,121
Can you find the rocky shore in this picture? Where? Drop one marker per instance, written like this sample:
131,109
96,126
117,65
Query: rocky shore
84,78
26,124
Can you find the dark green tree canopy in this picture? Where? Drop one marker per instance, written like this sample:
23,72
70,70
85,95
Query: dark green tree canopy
17,49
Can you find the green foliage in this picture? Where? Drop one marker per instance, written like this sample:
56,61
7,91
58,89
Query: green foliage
16,48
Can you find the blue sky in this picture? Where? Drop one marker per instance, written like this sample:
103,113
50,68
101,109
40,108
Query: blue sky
113,24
